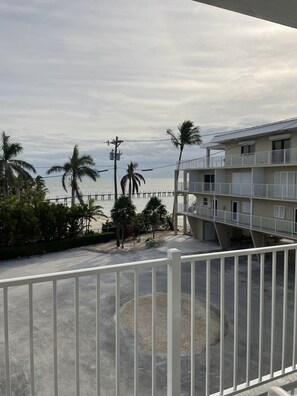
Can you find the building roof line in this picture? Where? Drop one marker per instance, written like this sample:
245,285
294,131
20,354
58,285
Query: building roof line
257,130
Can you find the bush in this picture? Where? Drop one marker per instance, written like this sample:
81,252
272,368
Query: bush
108,226
38,248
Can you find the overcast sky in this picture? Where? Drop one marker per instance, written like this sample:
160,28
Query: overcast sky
81,72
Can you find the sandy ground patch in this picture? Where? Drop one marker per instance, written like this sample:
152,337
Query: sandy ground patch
145,323
132,244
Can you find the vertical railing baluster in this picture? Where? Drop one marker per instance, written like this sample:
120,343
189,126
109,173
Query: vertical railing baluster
98,343
136,286
193,328
261,315
117,334
77,363
154,287
285,306
222,324
173,322
31,340
6,342
207,329
235,319
273,300
55,338
295,315
249,319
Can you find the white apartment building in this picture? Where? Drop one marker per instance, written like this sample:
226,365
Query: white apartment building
245,185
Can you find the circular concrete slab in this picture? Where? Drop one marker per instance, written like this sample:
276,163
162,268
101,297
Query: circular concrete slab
145,323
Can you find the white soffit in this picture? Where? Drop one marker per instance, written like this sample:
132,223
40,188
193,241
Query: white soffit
283,12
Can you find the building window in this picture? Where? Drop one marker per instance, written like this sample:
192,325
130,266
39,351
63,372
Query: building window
209,182
279,211
246,207
248,149
205,201
280,151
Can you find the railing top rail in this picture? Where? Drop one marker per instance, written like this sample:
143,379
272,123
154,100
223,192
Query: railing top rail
210,211
82,272
138,265
238,253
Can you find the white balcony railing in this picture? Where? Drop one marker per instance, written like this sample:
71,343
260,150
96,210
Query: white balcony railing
278,191
242,313
272,157
264,224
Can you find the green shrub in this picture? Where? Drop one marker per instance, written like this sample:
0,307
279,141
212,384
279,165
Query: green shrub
38,248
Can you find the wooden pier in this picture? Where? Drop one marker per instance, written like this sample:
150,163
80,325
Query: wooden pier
110,196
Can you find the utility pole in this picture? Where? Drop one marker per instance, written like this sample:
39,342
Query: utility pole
115,156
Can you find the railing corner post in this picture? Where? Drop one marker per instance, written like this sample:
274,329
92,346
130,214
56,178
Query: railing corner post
173,322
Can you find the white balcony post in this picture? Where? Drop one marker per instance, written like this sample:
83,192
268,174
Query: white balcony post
173,322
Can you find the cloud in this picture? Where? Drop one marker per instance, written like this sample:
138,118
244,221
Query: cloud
83,72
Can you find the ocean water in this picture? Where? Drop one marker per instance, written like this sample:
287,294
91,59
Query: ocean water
105,186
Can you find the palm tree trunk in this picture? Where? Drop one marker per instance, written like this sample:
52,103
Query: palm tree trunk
72,195
118,234
5,188
5,183
174,216
123,237
130,189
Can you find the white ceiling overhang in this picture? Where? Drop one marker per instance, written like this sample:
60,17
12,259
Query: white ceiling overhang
283,12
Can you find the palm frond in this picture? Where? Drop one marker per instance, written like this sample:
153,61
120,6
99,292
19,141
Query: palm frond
21,172
64,181
140,177
55,169
124,183
174,139
23,164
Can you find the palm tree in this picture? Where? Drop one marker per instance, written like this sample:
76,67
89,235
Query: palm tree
35,192
10,167
134,179
123,214
188,135
92,211
75,169
155,213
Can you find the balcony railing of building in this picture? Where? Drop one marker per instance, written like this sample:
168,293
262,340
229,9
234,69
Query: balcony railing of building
239,307
279,191
261,158
258,223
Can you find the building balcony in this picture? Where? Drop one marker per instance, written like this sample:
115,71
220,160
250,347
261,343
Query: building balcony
257,190
261,158
266,225
231,326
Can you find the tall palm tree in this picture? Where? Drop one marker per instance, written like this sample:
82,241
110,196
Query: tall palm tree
74,170
188,135
133,178
10,167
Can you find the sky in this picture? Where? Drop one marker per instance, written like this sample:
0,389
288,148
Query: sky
83,72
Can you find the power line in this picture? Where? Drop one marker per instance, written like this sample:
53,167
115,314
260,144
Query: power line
138,140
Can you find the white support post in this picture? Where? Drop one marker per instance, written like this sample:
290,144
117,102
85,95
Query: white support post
186,203
175,201
173,322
